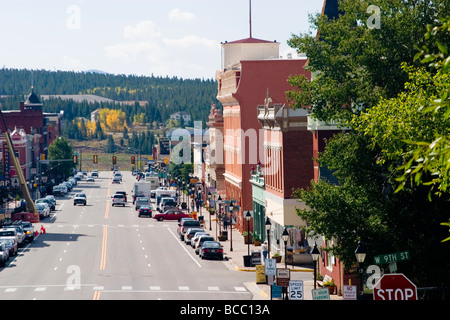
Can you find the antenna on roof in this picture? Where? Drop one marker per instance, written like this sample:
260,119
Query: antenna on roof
250,18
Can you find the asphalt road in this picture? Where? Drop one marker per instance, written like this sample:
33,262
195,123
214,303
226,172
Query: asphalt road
100,252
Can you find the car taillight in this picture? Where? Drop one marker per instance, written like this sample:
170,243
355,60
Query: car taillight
205,250
220,250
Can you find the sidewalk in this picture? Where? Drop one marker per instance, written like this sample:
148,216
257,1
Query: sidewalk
235,261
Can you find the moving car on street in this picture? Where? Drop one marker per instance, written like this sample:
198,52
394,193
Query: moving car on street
140,201
80,198
118,199
145,210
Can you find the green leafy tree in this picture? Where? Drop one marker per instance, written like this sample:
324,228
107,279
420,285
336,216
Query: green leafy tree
355,64
61,154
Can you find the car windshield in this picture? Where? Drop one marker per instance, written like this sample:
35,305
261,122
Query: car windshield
142,200
7,233
80,195
40,206
7,241
118,196
145,207
211,244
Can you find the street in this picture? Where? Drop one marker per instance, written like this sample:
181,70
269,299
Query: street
100,252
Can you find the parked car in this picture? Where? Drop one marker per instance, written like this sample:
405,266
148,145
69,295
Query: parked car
141,201
196,236
59,191
27,228
43,209
80,198
172,214
9,234
145,210
211,249
20,234
124,194
4,254
118,199
50,204
186,224
190,234
52,199
200,241
11,246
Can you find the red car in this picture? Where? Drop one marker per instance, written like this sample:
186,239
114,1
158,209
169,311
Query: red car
173,214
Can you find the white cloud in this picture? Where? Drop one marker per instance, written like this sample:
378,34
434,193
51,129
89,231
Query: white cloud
143,42
179,16
191,40
143,30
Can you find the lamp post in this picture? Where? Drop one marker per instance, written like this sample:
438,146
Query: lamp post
248,216
315,253
230,208
268,226
285,236
360,254
209,200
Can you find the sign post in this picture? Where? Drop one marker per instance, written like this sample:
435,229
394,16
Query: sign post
296,290
394,287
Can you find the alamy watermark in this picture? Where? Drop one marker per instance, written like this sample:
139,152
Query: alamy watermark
73,21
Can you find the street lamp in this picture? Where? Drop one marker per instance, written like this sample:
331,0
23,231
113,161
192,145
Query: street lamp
230,208
315,253
360,254
268,226
285,236
209,200
248,216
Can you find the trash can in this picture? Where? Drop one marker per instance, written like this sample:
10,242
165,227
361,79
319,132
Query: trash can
247,261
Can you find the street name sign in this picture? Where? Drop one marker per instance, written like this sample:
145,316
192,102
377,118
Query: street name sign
394,287
391,257
296,290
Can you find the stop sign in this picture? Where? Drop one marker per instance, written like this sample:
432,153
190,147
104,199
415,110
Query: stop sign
394,287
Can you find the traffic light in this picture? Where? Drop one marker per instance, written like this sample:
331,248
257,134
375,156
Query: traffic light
114,159
75,159
95,159
133,159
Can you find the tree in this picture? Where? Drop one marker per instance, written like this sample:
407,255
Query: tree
354,64
110,145
61,154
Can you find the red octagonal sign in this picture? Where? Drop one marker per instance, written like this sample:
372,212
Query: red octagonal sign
394,287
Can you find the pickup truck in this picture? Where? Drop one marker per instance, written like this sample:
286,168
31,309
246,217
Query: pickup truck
118,199
80,198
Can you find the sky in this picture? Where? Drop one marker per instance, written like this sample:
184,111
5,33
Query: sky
171,38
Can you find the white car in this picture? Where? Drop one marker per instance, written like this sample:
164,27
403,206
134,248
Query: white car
43,209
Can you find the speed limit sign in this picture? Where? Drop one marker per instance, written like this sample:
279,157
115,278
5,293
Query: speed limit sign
296,290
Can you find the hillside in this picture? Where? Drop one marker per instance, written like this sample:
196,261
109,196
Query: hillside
164,96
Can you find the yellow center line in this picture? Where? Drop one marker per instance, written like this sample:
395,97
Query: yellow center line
97,295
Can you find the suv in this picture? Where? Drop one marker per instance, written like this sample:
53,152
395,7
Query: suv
166,201
124,194
10,234
186,224
80,198
118,199
94,173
